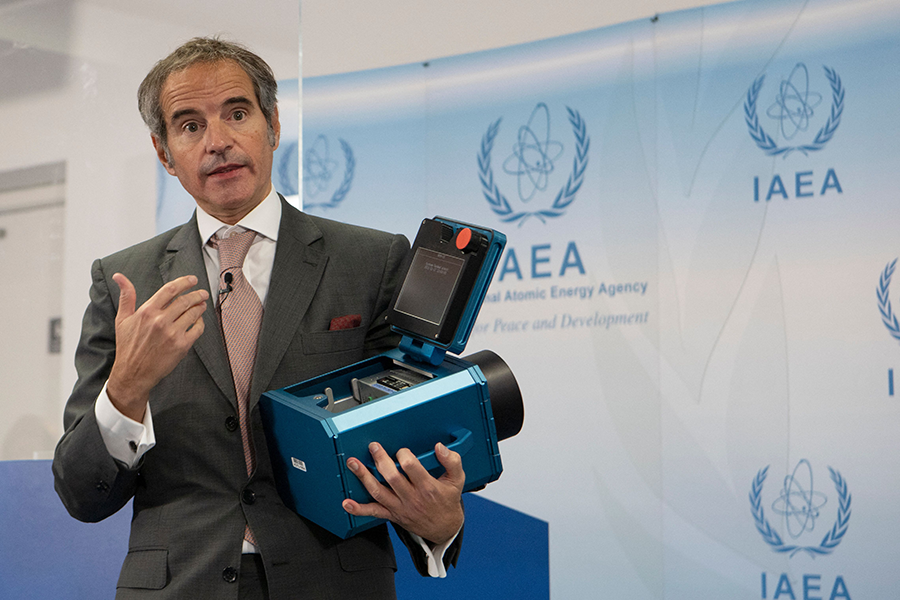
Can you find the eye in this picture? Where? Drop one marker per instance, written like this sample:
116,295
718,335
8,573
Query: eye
191,127
239,115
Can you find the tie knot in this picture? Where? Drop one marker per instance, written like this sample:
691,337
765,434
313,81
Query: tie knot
233,249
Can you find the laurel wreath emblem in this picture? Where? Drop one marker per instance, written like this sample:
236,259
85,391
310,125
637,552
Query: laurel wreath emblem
765,141
347,182
287,170
831,539
498,202
884,302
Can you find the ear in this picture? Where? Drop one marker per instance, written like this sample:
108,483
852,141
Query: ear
161,154
276,128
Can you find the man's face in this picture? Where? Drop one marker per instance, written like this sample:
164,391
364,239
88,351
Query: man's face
218,139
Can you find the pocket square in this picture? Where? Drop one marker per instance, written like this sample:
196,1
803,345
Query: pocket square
345,322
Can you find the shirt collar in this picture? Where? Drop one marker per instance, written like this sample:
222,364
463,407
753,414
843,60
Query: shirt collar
265,219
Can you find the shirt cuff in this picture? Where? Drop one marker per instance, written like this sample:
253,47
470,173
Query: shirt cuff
435,556
126,440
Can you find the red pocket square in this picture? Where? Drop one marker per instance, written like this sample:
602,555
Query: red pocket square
345,322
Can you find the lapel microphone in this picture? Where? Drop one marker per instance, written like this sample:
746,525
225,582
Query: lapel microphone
228,278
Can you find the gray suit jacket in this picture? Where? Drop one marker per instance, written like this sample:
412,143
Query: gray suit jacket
188,510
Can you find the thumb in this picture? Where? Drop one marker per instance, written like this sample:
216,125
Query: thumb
127,297
452,463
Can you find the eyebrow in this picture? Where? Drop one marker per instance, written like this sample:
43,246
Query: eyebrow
193,111
237,100
181,113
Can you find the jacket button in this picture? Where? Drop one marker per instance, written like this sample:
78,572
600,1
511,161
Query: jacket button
248,496
230,574
231,423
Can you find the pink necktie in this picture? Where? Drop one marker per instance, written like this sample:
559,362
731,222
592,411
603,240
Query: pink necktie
241,313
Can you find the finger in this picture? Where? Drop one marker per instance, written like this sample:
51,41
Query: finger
127,297
197,325
415,473
386,467
379,493
175,288
185,303
370,509
452,463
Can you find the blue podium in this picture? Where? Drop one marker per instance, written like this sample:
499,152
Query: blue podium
47,555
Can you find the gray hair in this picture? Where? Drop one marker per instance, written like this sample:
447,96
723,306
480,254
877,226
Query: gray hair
205,51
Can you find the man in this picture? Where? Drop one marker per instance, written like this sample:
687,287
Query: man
157,415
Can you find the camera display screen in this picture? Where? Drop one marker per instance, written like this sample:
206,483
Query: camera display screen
429,286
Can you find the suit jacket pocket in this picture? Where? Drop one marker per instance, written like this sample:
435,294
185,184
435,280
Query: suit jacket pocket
371,549
145,568
341,340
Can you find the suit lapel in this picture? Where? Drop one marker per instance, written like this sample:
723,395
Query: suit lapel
296,275
184,256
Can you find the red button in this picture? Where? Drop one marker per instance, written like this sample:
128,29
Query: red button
463,238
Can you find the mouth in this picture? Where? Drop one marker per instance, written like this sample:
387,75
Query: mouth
224,170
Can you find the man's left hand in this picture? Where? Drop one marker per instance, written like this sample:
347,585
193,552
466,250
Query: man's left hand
413,499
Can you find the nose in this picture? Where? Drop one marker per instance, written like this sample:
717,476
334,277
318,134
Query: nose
218,137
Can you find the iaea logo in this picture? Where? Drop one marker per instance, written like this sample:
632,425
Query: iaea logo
320,174
794,109
533,159
800,504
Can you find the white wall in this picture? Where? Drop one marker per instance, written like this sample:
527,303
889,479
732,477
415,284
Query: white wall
69,71
351,35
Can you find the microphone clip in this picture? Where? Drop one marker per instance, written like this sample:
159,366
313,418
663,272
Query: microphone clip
228,278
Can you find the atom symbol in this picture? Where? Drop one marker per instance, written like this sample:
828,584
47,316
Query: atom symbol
794,104
318,167
531,161
799,503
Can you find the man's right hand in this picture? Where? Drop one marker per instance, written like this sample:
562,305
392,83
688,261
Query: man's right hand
152,340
